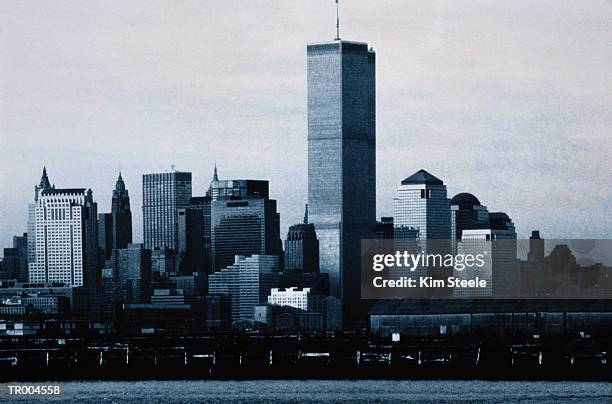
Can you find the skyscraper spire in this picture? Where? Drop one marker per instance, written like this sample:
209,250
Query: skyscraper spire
306,214
119,185
44,180
215,176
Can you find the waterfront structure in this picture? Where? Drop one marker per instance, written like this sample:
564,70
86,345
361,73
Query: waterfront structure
342,160
302,248
291,297
422,206
244,224
163,195
248,282
466,211
66,238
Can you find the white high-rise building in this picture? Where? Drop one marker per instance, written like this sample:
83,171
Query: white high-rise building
65,236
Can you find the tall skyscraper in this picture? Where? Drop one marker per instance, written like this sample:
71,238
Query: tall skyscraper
195,235
342,159
466,211
302,248
122,215
66,238
248,281
422,205
163,195
244,225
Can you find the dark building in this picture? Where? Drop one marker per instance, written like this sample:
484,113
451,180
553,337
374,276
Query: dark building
105,232
466,211
244,224
195,236
342,160
384,228
20,243
121,215
163,195
302,248
10,264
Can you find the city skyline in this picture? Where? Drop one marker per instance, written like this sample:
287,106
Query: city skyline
541,186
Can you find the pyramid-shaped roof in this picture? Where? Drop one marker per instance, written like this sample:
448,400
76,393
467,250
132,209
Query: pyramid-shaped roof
422,177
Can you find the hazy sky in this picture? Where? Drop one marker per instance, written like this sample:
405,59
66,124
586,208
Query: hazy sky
509,100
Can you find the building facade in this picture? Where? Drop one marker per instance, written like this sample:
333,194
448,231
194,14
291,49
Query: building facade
243,225
302,248
466,211
66,238
422,206
163,195
248,282
342,159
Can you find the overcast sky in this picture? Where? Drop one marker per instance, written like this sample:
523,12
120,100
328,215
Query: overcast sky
509,100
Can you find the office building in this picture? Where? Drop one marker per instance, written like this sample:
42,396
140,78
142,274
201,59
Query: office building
291,297
163,195
496,240
422,205
135,273
66,238
43,185
342,160
20,243
248,281
302,248
466,211
195,236
244,224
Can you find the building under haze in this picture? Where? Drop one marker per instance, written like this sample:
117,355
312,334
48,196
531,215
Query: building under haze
163,195
342,160
302,248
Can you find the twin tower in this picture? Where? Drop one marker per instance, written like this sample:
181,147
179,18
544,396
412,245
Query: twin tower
342,161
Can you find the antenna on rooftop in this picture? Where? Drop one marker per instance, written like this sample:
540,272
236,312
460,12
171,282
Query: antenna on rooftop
337,21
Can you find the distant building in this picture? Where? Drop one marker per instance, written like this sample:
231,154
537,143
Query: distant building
466,211
384,228
195,236
423,206
10,264
245,224
66,238
135,273
163,195
342,161
20,243
122,216
302,248
248,282
163,262
105,235
290,297
497,241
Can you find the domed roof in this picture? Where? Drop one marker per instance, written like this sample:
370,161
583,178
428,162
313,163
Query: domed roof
465,199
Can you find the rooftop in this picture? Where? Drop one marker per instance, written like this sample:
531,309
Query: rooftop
422,177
